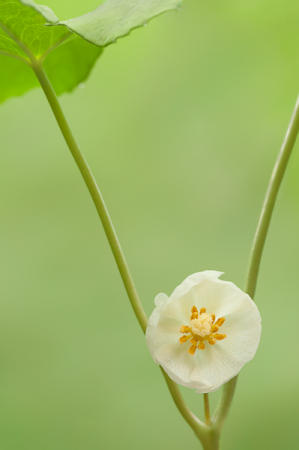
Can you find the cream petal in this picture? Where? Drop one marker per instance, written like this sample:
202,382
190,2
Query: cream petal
219,297
207,369
194,280
177,362
243,330
162,330
161,299
203,371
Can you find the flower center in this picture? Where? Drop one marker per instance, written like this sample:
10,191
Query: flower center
203,327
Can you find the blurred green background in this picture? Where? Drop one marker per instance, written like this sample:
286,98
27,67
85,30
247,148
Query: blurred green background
181,123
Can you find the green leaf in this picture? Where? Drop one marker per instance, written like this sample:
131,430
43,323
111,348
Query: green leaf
116,18
67,49
25,35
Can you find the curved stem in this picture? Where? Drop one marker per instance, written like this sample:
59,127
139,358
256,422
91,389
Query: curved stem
207,408
270,199
95,194
224,404
197,426
260,238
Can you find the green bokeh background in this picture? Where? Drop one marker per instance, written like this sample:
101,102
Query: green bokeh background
181,123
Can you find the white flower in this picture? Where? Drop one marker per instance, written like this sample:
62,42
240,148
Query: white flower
204,333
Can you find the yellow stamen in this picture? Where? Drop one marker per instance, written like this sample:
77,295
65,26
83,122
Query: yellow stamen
192,349
184,338
219,337
185,329
202,310
201,346
194,313
220,321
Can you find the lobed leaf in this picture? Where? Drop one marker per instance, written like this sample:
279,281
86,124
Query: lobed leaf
67,49
25,34
116,18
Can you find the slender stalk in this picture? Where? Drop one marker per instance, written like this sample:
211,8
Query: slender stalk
224,404
270,199
198,427
95,194
260,238
207,408
212,441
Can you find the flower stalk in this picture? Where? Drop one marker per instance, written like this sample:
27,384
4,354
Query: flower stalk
211,442
95,193
260,239
270,199
207,408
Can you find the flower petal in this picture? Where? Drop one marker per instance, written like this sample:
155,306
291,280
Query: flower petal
194,280
207,369
160,299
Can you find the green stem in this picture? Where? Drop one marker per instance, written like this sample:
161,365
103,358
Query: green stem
95,195
207,408
212,442
224,404
260,238
270,199
198,427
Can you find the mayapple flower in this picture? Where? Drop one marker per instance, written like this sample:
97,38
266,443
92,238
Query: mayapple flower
204,333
